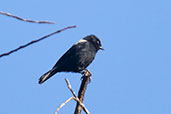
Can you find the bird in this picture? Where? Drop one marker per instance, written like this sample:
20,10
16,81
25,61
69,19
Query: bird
77,58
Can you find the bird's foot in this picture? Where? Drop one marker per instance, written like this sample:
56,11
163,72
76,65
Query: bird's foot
86,73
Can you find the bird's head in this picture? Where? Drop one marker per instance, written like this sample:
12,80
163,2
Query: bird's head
95,41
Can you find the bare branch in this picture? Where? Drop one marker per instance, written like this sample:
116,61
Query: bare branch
34,41
82,105
26,20
69,87
86,78
75,98
63,104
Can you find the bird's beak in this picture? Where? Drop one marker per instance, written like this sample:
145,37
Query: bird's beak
101,48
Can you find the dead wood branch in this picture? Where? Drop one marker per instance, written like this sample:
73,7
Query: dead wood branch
26,20
75,98
85,80
34,41
69,87
63,104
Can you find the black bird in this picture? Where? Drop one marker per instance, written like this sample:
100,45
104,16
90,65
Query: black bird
77,58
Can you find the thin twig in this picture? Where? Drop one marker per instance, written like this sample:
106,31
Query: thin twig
26,20
63,104
69,87
34,41
76,99
82,105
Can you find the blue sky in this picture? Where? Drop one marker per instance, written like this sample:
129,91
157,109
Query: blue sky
132,75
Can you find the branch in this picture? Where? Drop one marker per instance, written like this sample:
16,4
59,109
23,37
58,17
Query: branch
75,98
69,87
82,105
26,20
34,41
86,78
63,104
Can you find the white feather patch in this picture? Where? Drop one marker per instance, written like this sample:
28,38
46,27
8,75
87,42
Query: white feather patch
80,41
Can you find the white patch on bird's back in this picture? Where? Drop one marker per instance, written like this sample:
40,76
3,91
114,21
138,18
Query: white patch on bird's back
80,41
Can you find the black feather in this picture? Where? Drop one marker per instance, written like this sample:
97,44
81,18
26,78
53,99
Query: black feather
77,58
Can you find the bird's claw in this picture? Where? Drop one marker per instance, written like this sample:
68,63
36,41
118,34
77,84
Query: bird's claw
86,73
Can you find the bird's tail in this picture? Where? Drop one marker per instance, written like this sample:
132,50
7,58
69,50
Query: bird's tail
47,75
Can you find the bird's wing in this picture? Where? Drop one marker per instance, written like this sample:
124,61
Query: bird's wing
71,57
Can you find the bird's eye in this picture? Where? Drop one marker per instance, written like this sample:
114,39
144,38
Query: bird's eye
98,42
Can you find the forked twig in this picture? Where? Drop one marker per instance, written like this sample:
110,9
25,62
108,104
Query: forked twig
26,20
63,104
34,41
75,98
82,105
